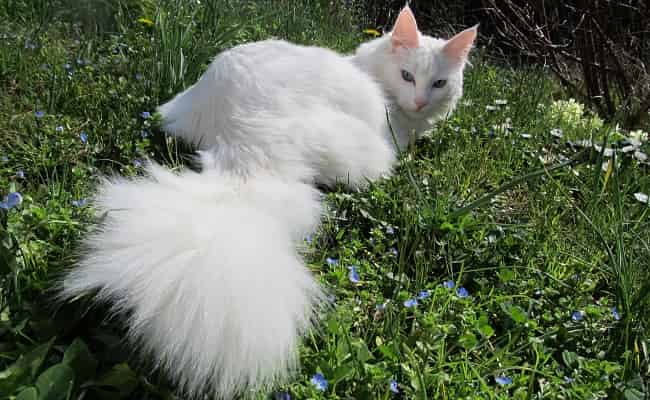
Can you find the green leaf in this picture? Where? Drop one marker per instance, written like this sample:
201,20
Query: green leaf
116,384
468,340
446,226
79,358
342,372
633,394
570,358
486,330
484,326
516,313
635,389
342,351
29,393
367,215
388,351
506,275
25,368
363,354
55,383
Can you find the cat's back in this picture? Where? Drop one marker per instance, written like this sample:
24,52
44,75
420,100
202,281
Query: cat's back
278,75
274,91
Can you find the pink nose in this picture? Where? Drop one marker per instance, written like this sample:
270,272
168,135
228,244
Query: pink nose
419,104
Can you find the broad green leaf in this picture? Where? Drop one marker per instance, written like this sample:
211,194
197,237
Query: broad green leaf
446,226
486,330
25,368
79,358
570,358
635,389
342,372
468,340
29,393
342,351
506,275
517,314
484,326
116,384
633,394
388,351
363,354
55,383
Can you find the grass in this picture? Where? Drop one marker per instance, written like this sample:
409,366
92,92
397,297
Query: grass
544,249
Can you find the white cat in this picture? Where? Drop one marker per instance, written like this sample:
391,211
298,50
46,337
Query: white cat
206,266
271,105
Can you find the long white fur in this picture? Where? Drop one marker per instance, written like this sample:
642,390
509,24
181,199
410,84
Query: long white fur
272,105
206,265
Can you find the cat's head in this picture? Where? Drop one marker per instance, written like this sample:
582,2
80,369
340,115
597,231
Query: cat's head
420,74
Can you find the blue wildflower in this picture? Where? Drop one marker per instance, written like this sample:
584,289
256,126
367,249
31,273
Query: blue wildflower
462,292
503,380
568,379
145,114
410,303
332,261
282,396
59,128
449,284
353,275
39,114
12,200
67,67
424,294
83,136
137,163
319,382
393,386
615,314
577,316
79,203
390,230
20,174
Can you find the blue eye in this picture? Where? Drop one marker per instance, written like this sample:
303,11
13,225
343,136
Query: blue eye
439,83
407,76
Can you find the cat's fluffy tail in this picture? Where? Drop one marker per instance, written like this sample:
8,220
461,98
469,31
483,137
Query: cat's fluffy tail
206,270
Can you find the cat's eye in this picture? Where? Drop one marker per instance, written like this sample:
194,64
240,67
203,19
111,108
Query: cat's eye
439,83
407,76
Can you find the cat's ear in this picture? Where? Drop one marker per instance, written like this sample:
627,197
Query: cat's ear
405,32
457,48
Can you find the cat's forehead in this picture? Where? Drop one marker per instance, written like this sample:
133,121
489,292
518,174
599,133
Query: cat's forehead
426,59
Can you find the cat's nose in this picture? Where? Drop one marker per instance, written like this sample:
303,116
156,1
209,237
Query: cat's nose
419,104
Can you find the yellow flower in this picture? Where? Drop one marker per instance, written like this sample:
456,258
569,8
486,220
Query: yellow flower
145,21
373,32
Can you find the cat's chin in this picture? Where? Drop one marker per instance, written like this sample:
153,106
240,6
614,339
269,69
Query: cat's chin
415,114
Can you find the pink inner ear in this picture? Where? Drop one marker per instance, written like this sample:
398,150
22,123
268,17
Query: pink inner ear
457,48
405,33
